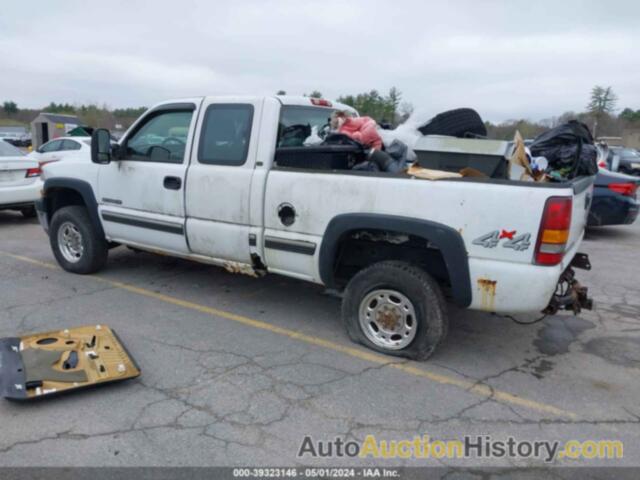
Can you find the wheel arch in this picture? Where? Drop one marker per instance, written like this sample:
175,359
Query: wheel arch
446,239
61,192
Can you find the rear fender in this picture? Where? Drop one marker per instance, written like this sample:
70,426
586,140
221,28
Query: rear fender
445,238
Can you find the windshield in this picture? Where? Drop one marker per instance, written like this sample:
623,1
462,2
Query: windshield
296,123
8,150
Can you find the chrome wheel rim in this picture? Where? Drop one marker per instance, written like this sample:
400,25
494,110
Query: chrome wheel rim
388,319
70,242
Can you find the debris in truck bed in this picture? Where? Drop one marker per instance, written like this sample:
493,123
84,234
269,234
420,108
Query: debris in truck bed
520,158
472,172
429,174
569,151
42,364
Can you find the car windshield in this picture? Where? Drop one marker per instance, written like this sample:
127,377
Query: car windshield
8,150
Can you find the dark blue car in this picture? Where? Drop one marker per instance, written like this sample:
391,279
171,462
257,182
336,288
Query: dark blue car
614,199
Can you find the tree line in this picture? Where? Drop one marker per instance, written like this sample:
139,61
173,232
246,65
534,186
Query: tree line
90,114
599,113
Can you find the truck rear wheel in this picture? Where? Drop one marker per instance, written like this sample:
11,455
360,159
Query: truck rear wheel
75,242
395,308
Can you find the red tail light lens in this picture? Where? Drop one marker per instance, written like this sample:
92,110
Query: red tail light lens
602,164
33,172
626,189
554,231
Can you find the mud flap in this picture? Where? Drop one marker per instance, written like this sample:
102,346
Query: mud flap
45,364
570,294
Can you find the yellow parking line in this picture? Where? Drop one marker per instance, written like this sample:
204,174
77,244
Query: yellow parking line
408,368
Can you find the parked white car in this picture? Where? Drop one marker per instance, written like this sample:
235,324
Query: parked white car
63,148
20,182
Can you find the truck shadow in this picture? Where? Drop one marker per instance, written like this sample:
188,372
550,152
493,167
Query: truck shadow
10,218
474,337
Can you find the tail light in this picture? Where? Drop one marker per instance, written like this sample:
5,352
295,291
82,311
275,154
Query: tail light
554,231
33,172
626,189
603,164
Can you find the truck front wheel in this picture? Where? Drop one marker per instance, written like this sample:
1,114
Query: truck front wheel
75,242
395,308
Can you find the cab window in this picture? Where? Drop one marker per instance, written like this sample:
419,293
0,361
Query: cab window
162,138
297,122
226,133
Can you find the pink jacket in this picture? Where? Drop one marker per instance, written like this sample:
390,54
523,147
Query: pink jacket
362,129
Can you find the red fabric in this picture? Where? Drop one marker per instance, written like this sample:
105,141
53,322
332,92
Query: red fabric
362,129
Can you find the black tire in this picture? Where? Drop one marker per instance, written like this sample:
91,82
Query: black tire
416,285
461,122
94,247
28,212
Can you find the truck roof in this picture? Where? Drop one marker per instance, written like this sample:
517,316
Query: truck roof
293,100
313,102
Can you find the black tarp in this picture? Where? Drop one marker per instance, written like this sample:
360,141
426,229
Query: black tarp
569,150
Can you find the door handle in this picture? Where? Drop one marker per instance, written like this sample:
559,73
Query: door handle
172,183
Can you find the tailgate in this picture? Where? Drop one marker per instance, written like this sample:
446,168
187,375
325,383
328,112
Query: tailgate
582,197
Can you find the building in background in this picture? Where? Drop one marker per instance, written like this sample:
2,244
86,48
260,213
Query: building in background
47,126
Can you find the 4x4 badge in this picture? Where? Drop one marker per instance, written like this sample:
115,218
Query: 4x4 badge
490,240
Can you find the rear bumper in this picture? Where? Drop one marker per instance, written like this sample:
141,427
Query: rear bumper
510,287
21,196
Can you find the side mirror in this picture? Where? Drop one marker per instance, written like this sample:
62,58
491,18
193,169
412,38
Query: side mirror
101,146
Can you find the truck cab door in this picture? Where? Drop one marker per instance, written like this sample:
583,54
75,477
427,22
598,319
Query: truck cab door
141,195
219,179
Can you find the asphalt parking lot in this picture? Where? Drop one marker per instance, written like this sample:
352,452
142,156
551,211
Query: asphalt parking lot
236,371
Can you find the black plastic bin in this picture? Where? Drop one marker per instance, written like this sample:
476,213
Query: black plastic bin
320,157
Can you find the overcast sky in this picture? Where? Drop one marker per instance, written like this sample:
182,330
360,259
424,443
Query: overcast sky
507,59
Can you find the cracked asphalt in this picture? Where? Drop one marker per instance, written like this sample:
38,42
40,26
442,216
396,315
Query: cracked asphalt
236,371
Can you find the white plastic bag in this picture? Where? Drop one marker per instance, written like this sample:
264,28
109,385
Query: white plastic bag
313,139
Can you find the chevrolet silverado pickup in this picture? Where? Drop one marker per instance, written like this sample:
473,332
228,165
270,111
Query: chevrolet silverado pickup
227,181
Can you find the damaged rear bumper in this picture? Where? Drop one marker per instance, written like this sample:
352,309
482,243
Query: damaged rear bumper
570,294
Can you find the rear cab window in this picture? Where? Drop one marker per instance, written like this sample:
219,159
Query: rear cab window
297,122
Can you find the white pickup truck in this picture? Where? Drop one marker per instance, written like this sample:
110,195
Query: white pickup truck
213,179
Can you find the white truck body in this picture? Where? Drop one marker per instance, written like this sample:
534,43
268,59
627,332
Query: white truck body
231,215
